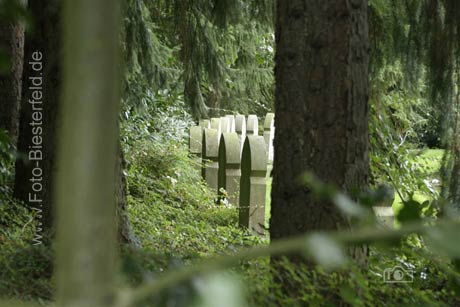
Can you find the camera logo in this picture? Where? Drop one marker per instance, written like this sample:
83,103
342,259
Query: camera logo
397,274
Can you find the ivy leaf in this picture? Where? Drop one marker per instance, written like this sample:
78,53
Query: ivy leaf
410,212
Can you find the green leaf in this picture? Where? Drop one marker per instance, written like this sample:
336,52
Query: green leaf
410,212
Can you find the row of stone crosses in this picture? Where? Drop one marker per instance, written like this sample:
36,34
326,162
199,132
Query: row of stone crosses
234,160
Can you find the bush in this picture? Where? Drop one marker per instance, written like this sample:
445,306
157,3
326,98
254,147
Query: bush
355,286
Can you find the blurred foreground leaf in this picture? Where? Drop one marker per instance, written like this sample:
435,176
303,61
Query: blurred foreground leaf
220,289
326,251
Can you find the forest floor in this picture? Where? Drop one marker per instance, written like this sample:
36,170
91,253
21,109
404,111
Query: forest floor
179,221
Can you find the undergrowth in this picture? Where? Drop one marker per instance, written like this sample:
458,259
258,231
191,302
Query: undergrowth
179,221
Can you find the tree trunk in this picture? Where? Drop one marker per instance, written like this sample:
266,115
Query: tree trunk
39,107
125,232
321,110
45,39
86,176
12,42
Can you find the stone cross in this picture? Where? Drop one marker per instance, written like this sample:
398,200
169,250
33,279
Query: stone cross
253,184
210,152
252,127
269,134
229,166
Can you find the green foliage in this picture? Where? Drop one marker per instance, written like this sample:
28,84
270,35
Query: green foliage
399,123
159,115
217,53
7,158
26,269
26,272
172,209
433,284
14,10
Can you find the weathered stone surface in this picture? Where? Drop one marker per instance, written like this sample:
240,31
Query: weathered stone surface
195,144
231,122
253,184
205,123
229,166
195,139
252,127
385,215
269,134
225,124
240,128
210,153
240,124
216,124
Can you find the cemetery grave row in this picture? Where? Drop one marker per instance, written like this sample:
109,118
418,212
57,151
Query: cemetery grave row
234,159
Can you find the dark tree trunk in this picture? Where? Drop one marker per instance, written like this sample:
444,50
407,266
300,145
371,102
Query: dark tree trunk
12,42
45,39
39,109
321,110
125,232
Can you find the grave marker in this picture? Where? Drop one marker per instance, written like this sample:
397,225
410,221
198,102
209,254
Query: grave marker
269,134
231,121
205,123
252,127
229,166
210,151
225,124
240,128
215,124
384,215
253,184
195,144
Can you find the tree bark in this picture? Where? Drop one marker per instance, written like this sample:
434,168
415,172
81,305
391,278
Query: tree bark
86,177
125,231
46,39
39,107
12,42
321,104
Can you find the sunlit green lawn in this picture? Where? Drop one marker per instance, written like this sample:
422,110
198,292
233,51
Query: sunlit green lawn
429,161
